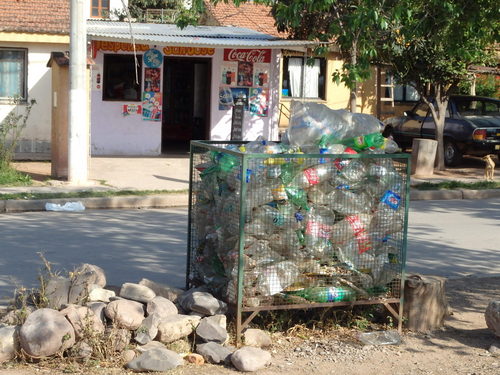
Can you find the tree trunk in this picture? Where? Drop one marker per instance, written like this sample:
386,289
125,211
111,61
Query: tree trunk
438,110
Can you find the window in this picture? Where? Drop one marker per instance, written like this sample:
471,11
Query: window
99,9
119,81
402,93
13,73
293,72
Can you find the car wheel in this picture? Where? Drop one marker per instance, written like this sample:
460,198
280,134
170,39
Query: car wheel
452,155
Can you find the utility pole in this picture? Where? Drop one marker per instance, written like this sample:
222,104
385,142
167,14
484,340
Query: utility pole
78,132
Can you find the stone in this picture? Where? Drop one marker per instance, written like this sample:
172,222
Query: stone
249,358
156,360
8,343
100,295
125,313
210,329
495,350
118,338
162,290
492,317
128,355
46,332
83,319
175,327
148,329
213,352
195,359
15,317
136,292
98,309
161,306
257,337
57,291
202,302
82,350
149,346
82,280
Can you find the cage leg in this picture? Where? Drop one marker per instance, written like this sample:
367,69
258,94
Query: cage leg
240,326
397,315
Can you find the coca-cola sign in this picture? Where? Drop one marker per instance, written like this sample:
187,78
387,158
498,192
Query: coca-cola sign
248,55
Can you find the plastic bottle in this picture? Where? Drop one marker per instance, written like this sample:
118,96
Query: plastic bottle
298,197
328,294
363,142
348,202
391,337
355,171
352,226
312,176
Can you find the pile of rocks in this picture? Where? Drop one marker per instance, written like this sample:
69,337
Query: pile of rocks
492,317
138,321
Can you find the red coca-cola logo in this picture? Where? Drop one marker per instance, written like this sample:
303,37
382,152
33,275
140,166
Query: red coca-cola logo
248,55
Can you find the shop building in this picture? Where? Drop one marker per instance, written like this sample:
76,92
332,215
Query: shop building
180,85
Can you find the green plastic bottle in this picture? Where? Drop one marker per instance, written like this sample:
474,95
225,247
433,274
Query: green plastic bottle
322,294
365,141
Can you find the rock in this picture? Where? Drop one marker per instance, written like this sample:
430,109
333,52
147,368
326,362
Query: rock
257,337
161,306
210,329
57,291
194,358
128,355
118,338
82,279
162,290
125,313
148,329
136,292
98,309
82,350
495,350
202,302
214,353
83,319
100,294
175,327
46,332
492,317
155,360
8,343
15,317
150,345
249,358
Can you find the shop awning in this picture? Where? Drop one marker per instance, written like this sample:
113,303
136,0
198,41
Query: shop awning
191,36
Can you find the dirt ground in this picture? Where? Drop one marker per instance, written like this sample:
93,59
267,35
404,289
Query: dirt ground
459,348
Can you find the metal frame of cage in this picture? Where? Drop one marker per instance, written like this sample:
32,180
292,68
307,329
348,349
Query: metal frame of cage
394,305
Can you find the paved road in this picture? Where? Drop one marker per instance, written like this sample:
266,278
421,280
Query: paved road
449,238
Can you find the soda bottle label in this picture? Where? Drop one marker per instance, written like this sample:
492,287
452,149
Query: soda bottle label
315,229
279,193
360,234
311,175
391,199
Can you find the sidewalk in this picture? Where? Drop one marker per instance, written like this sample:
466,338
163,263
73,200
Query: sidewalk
172,173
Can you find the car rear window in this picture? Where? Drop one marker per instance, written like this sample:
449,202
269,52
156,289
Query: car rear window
477,108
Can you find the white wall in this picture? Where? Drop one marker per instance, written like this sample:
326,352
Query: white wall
36,136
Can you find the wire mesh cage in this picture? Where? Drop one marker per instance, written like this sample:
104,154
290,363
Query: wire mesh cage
284,231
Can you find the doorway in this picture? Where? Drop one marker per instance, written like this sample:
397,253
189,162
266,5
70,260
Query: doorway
186,102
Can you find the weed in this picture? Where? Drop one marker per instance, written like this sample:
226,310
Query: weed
88,194
10,177
447,185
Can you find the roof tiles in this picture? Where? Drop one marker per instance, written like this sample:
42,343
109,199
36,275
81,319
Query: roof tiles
35,16
252,16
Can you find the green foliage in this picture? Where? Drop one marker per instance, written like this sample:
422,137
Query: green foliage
10,177
458,185
88,194
486,85
11,128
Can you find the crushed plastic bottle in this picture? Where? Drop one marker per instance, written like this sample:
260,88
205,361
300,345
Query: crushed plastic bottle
390,337
68,207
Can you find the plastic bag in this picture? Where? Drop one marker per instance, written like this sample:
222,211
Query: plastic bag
68,206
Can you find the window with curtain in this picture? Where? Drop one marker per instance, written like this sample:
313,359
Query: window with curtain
99,8
295,69
13,73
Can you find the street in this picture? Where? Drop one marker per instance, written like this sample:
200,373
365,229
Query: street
450,238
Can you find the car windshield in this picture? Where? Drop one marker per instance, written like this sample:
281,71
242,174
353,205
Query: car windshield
475,107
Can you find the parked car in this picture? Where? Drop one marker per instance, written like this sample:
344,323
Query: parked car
472,127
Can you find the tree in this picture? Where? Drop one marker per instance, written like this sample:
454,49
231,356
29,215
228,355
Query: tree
430,44
353,25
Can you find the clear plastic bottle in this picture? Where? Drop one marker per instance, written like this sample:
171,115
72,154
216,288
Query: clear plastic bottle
352,226
312,176
348,202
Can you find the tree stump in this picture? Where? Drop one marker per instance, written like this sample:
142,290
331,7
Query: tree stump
425,303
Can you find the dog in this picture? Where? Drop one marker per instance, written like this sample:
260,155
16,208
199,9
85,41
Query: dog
489,170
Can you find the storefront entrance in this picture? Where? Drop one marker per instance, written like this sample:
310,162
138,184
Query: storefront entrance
186,102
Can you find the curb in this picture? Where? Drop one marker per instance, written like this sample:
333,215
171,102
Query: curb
416,195
130,202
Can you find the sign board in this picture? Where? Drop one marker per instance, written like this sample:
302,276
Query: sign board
237,121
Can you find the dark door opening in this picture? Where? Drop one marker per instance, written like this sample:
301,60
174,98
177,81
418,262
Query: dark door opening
186,102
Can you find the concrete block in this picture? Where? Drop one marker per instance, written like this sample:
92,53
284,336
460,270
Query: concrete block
423,156
481,194
416,195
